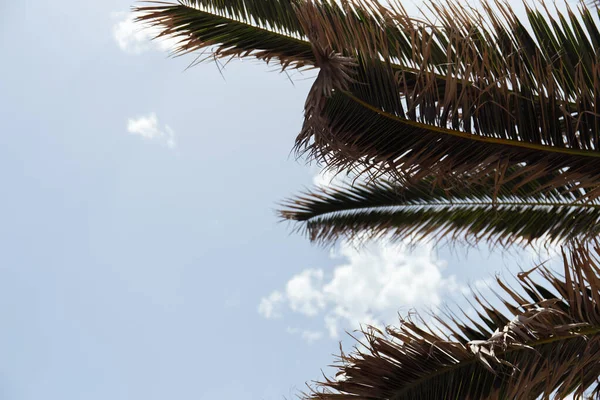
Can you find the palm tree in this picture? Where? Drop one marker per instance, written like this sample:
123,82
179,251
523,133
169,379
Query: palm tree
474,127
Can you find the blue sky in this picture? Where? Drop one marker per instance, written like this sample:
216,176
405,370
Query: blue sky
141,257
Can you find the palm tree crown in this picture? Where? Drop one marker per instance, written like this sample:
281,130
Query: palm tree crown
475,126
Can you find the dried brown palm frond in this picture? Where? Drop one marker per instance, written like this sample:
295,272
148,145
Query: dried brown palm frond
517,213
546,344
475,92
508,97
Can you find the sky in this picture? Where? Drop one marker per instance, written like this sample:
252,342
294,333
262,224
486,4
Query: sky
140,252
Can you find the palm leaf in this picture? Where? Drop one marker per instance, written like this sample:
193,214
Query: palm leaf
249,27
518,213
475,92
231,28
546,343
531,100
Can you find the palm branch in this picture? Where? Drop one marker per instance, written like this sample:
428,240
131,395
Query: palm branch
518,213
545,342
475,92
228,28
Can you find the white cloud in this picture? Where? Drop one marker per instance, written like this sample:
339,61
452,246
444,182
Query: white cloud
311,336
370,286
303,292
308,335
269,306
147,126
135,38
327,178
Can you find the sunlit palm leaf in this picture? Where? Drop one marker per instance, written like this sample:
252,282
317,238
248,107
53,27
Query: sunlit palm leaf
422,210
257,26
265,30
531,99
461,95
352,134
546,344
509,98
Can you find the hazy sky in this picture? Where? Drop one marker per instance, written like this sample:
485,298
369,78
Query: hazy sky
140,253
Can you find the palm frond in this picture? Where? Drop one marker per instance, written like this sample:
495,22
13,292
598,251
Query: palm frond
282,27
520,212
232,28
509,97
546,343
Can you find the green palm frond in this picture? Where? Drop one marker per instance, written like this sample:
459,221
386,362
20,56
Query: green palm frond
520,212
546,344
477,91
232,28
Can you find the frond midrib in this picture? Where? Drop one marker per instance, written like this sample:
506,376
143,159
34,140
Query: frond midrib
453,204
478,138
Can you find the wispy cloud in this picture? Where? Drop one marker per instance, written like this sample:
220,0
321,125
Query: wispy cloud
371,285
307,335
147,126
303,292
135,38
311,336
269,306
